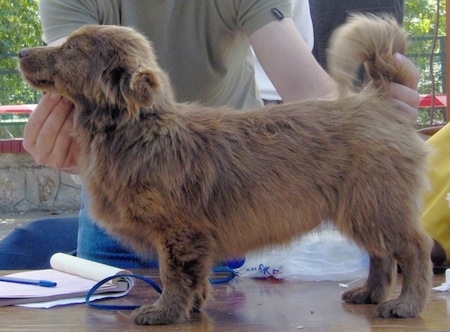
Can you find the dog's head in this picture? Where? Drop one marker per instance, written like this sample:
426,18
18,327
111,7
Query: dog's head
107,66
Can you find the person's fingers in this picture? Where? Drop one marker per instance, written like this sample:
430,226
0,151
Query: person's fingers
410,72
412,112
37,119
54,134
47,133
61,138
405,94
70,165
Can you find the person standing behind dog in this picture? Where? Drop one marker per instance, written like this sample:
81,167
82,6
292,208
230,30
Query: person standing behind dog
205,47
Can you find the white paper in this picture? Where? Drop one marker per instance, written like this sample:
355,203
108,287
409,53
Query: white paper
66,284
83,267
74,276
73,300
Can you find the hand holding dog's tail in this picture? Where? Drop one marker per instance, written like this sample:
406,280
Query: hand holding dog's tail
368,40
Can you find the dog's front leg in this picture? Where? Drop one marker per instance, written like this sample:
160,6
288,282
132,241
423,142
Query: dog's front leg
185,263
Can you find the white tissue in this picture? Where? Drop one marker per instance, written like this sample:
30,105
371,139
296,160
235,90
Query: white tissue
446,285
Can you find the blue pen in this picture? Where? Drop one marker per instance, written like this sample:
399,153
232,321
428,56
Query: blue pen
42,283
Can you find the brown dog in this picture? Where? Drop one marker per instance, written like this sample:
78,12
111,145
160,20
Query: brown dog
198,183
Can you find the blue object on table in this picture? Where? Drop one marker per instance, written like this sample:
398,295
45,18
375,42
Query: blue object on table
42,283
235,263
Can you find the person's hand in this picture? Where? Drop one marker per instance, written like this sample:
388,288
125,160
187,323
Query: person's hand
406,96
47,134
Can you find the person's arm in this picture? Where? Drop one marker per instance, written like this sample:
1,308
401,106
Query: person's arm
288,62
297,75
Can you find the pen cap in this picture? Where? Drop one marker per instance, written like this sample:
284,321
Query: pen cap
47,283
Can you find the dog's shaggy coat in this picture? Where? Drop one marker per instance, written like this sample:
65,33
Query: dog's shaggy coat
197,183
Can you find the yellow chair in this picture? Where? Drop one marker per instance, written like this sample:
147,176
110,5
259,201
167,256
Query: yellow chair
435,218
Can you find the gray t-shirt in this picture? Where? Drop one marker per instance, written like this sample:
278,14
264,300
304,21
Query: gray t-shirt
202,44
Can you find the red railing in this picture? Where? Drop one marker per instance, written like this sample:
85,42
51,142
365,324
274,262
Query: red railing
13,145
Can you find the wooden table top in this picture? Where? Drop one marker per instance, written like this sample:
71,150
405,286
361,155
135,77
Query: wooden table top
240,305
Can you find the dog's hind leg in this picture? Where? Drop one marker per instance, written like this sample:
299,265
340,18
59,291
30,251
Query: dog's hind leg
400,242
376,288
185,260
412,252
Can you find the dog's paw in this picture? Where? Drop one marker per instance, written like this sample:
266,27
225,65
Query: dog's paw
157,315
398,308
362,295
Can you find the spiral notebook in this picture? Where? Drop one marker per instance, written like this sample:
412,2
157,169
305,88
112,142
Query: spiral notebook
74,277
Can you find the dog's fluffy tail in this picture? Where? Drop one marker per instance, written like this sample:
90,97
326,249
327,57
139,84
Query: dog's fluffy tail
368,40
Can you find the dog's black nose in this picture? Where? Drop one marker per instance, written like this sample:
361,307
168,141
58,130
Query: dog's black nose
24,53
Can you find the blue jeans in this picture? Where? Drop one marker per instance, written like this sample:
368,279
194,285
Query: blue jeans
31,246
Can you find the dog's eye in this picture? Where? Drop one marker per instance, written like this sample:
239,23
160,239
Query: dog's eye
71,46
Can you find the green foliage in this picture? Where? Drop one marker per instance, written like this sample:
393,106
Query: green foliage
19,28
19,25
420,17
419,52
422,22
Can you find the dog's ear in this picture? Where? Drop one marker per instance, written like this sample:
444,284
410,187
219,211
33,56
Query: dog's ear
133,90
143,85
